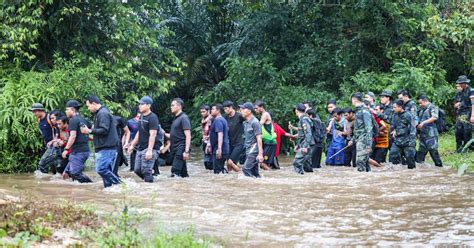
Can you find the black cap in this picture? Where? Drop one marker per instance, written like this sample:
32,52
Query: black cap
300,107
37,106
146,100
247,105
227,103
463,80
73,104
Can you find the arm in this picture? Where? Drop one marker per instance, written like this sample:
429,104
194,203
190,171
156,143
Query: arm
368,127
472,106
134,142
220,140
260,148
70,142
265,118
126,136
187,133
151,144
103,124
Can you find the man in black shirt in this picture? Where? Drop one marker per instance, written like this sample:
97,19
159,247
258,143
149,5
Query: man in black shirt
124,137
147,141
235,123
78,143
105,140
180,136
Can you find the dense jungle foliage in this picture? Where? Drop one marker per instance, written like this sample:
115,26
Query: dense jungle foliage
282,52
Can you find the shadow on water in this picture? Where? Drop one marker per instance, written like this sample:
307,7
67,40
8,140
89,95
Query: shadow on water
334,206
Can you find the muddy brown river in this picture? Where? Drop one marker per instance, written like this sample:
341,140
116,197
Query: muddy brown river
335,206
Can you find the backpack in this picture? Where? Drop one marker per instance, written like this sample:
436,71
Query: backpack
441,121
317,129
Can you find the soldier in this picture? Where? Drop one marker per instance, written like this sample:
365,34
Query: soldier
464,112
404,134
428,131
386,100
362,133
408,103
304,148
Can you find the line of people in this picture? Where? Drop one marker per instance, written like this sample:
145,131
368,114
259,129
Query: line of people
361,136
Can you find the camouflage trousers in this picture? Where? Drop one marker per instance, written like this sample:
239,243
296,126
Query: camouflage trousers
408,152
303,161
362,156
428,145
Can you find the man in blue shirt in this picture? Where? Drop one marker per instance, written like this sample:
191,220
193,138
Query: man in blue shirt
219,137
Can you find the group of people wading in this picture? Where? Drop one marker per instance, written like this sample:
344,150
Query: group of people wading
361,136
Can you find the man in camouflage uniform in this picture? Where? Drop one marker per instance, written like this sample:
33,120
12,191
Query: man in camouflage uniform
404,134
362,133
305,145
408,103
386,100
464,112
428,131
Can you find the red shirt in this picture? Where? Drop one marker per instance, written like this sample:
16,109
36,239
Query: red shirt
279,132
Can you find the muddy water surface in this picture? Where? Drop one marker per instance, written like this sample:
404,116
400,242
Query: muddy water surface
334,206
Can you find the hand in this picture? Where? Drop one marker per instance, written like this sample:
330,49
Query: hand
304,150
130,149
350,143
185,155
64,155
260,158
339,133
65,176
219,154
472,119
85,130
369,150
394,133
420,126
457,105
148,154
295,149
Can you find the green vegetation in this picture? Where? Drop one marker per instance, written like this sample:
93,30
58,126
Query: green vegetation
30,221
450,158
280,52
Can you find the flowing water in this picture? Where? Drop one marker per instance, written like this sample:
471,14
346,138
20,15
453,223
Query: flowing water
334,206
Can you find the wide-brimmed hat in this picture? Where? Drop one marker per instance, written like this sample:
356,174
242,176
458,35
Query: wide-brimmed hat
463,80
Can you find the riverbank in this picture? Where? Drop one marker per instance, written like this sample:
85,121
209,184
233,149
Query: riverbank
32,222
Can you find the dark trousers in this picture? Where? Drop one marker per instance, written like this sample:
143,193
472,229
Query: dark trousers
463,132
428,145
408,152
350,156
121,159
133,156
219,164
179,167
379,155
316,156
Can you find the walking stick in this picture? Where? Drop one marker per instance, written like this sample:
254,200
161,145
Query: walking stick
342,149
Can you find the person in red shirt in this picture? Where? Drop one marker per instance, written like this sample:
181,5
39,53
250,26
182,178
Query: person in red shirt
279,132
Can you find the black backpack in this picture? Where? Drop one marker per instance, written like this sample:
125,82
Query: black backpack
441,122
318,130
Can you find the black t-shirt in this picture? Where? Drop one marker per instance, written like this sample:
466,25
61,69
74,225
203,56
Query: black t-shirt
236,129
81,144
46,129
145,125
177,137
